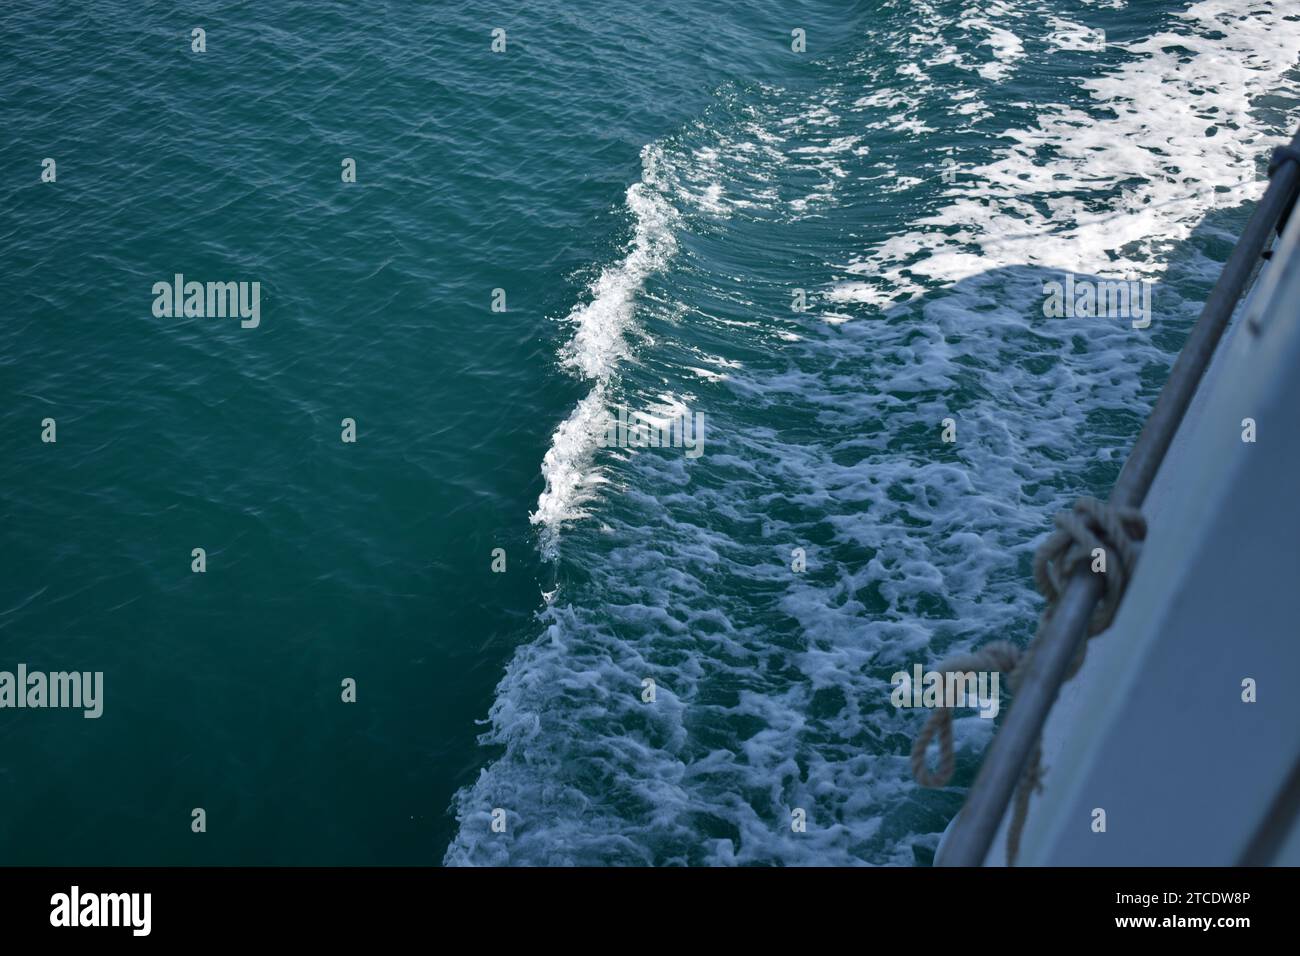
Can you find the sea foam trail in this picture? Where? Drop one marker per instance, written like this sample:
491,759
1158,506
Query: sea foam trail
772,687
598,343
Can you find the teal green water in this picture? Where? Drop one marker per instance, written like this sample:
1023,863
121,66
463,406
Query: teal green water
648,187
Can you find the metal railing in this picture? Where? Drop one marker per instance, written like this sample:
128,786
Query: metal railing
977,824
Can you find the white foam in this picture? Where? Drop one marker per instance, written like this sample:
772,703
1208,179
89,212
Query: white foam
1068,35
1182,142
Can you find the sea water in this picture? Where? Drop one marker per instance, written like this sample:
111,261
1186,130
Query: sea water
823,228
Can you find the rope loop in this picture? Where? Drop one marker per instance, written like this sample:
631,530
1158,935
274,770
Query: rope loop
995,656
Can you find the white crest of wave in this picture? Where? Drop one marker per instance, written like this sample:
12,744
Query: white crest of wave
599,342
571,479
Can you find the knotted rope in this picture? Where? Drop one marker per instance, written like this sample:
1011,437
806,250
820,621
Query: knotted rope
1088,526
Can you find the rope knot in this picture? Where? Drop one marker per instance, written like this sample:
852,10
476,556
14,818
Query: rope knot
1087,527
